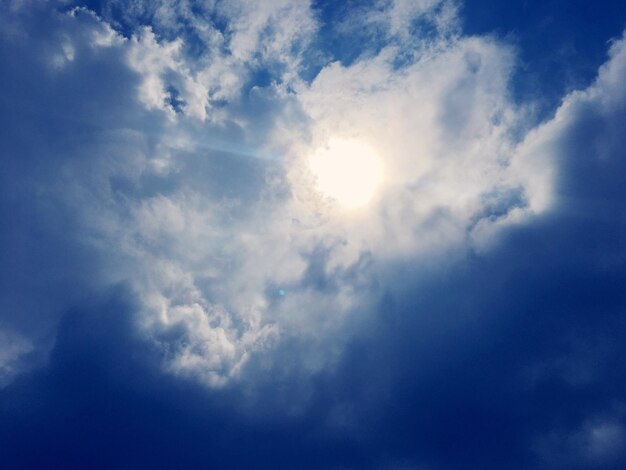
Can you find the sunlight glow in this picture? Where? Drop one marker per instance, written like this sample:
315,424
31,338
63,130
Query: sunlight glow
348,171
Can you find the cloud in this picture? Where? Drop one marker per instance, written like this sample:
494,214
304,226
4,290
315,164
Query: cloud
207,264
446,142
173,185
161,215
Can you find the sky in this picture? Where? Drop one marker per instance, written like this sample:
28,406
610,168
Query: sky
368,234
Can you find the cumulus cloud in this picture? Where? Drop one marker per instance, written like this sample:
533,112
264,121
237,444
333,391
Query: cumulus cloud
208,265
187,179
434,192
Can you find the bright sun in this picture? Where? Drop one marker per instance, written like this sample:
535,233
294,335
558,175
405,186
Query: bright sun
348,171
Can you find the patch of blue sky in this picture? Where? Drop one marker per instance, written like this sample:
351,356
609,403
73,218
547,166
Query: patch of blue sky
338,38
348,32
560,43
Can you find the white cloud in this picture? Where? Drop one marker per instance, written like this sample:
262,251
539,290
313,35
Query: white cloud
445,142
257,35
544,148
225,265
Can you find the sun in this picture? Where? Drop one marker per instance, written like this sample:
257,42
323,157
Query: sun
348,171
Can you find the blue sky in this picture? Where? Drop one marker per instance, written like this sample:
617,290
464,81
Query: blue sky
382,234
